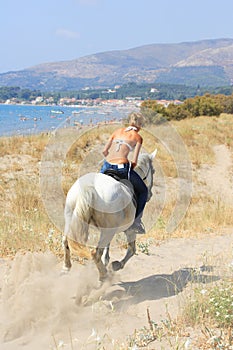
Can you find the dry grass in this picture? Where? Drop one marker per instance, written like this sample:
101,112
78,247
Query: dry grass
202,133
204,215
205,212
32,145
80,150
24,225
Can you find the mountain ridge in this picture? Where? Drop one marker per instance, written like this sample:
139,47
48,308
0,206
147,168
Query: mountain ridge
201,62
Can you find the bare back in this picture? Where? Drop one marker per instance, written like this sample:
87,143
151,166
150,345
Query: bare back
121,143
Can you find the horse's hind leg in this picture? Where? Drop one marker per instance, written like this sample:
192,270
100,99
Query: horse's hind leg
100,266
106,257
67,262
103,247
131,250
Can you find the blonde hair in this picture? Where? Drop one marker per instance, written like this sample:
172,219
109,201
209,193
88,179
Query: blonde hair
136,119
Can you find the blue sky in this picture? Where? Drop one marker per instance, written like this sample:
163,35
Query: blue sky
39,31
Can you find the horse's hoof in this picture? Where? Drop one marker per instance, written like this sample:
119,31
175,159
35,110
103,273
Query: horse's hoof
116,265
102,279
65,270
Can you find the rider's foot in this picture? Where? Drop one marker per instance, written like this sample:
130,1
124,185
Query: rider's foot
138,227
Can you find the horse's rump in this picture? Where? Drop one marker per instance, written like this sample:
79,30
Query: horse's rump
98,201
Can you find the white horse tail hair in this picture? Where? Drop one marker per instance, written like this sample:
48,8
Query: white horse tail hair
82,214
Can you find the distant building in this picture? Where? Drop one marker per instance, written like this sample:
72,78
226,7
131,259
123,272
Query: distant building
38,100
129,98
153,90
166,103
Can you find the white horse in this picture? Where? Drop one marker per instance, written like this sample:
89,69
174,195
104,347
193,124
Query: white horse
98,200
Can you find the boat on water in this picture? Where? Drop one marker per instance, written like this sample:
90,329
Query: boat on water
76,112
57,111
23,118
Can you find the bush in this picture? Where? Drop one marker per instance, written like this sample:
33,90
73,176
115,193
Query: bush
207,105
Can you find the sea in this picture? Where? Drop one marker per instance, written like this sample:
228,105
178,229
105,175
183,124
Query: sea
30,119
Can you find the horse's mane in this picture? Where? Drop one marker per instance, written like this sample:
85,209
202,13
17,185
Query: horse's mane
143,161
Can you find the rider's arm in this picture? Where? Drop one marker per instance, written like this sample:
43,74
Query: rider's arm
106,148
108,145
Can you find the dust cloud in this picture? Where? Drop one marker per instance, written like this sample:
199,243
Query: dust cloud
41,308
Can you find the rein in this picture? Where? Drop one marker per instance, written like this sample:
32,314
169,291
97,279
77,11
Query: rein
144,178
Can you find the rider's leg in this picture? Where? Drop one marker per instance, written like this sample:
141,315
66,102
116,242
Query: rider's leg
142,194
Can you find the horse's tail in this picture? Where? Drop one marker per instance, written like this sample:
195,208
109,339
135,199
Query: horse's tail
81,215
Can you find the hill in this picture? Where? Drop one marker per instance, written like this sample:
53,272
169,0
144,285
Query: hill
203,63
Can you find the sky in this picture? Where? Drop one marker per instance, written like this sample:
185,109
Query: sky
40,31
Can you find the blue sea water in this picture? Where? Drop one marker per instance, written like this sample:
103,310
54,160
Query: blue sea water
29,119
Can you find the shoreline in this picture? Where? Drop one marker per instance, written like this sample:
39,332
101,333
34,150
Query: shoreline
69,128
20,119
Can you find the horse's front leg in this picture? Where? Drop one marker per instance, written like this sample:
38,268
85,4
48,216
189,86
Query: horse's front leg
131,250
67,262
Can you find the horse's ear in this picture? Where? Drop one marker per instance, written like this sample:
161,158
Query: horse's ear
153,154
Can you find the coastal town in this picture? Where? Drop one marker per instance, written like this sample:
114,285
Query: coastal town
98,102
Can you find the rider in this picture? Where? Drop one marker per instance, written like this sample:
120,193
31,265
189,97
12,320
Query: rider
116,151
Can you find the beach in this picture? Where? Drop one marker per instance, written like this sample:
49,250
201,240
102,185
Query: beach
30,119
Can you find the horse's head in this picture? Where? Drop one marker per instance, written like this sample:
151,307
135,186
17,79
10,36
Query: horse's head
145,170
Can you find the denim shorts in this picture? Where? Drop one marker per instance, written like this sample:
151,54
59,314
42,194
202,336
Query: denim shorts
119,167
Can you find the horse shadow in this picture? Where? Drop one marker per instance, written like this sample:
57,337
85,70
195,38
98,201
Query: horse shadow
156,287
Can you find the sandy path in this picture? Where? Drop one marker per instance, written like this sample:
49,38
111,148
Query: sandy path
38,309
